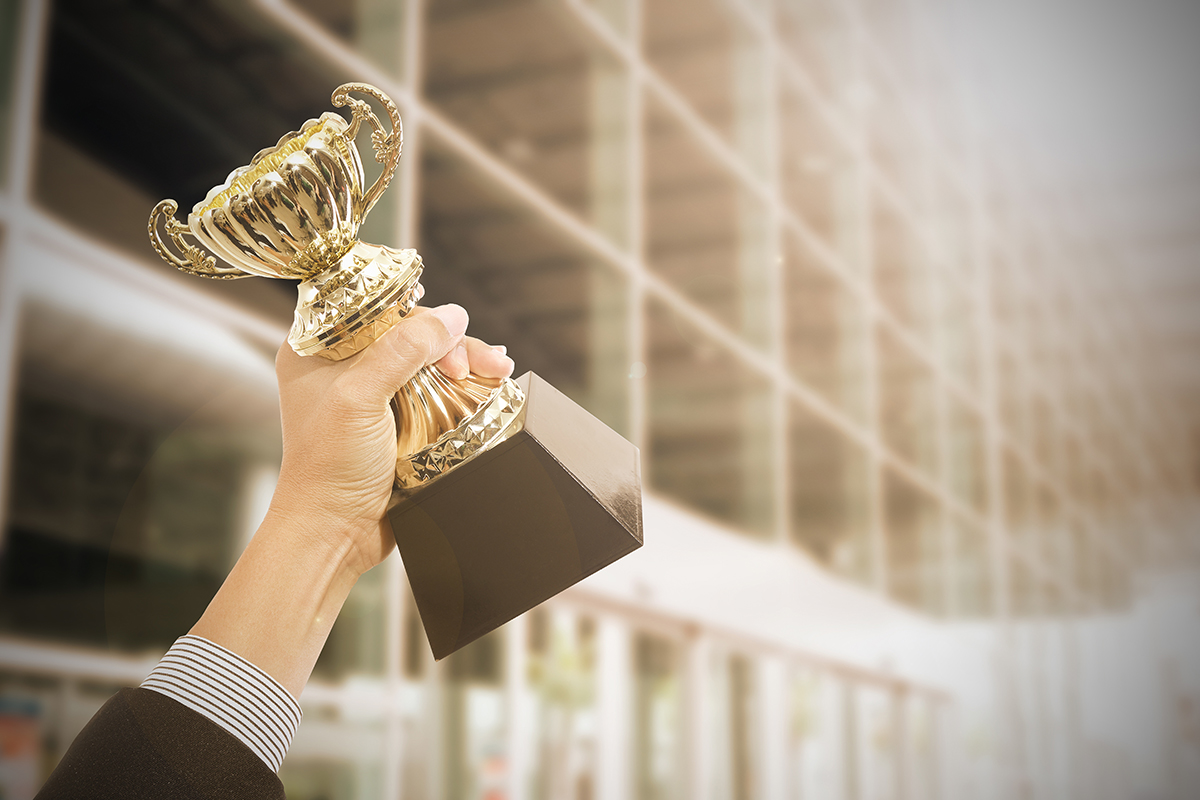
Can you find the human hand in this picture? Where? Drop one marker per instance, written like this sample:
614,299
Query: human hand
339,431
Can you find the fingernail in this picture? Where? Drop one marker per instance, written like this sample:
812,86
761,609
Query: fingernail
461,362
501,349
454,317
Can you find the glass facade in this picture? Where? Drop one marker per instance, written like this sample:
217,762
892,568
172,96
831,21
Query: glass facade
756,237
658,743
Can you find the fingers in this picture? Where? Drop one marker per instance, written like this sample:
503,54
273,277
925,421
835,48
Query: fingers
414,342
474,355
478,356
486,360
456,364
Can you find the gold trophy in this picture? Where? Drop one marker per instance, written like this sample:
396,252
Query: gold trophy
562,491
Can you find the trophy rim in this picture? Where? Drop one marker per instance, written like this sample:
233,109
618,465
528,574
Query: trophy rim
266,161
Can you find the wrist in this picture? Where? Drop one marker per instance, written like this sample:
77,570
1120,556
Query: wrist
328,542
334,512
278,603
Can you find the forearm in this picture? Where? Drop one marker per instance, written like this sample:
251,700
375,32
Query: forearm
278,604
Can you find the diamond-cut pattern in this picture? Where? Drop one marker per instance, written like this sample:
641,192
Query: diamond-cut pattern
345,309
491,424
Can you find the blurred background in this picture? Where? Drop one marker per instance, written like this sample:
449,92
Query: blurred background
900,301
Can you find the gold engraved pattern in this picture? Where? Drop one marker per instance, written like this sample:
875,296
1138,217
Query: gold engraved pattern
266,161
194,261
387,144
292,213
497,419
340,312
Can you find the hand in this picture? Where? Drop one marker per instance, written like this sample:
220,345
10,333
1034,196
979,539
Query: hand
326,524
339,432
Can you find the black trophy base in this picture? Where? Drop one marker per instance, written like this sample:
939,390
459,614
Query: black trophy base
519,523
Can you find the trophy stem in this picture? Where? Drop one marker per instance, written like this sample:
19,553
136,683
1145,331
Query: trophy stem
431,405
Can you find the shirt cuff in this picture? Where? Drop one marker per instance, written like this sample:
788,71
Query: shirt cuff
230,691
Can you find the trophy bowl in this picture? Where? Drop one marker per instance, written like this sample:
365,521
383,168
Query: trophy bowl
294,210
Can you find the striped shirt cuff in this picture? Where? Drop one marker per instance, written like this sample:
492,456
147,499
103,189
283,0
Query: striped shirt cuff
230,691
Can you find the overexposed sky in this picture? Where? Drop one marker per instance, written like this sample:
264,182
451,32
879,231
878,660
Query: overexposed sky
1096,87
1102,99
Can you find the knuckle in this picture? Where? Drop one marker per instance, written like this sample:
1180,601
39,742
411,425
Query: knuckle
410,349
343,400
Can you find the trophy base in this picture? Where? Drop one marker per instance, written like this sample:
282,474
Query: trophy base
557,500
347,307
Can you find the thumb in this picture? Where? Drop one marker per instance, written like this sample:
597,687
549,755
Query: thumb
416,341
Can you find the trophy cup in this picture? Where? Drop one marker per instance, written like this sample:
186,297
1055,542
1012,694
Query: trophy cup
506,492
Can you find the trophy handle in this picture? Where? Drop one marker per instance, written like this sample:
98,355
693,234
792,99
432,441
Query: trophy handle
195,260
387,143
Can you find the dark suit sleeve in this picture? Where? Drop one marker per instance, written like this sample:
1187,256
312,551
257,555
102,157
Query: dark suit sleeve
142,745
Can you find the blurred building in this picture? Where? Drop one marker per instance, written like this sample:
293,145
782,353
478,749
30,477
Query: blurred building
905,461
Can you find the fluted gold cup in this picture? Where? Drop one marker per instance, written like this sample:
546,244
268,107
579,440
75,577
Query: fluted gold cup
294,212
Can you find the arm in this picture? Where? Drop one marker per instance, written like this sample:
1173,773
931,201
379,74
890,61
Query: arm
218,712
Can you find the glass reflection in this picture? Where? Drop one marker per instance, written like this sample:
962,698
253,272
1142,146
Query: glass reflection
375,28
559,700
900,269
703,49
706,234
959,318
897,150
542,97
733,772
970,570
965,470
816,758
829,494
816,34
476,759
617,13
916,549
907,402
710,434
336,755
826,330
818,172
658,718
